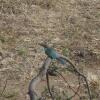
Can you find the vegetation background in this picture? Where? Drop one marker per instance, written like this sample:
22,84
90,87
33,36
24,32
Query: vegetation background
71,26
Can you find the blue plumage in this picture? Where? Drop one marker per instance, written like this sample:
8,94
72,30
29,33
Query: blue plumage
50,52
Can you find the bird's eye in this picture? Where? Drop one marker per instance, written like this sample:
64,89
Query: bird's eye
41,49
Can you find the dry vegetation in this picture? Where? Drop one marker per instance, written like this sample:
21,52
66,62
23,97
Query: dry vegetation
70,26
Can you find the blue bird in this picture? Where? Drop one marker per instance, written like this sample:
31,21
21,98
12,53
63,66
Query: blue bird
50,52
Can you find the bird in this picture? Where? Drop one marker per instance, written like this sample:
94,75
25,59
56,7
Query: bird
52,53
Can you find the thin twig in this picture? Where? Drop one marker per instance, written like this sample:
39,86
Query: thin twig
4,87
78,73
75,92
48,85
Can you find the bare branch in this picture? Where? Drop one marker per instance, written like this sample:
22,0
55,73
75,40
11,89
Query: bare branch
77,73
32,92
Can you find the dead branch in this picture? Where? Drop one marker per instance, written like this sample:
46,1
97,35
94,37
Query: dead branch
77,73
32,92
44,72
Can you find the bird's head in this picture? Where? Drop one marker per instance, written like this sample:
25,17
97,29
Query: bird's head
44,46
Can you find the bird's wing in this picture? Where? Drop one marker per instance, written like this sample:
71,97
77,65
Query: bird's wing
64,60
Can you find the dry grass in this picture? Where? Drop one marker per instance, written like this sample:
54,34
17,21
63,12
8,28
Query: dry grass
71,26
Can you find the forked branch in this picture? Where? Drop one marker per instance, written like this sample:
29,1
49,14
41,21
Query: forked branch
32,91
74,70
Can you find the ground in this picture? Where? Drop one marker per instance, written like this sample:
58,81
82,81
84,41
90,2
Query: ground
72,27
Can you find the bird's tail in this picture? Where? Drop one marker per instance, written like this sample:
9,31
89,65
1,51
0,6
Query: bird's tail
61,60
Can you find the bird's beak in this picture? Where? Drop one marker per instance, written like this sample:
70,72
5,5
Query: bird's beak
41,44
